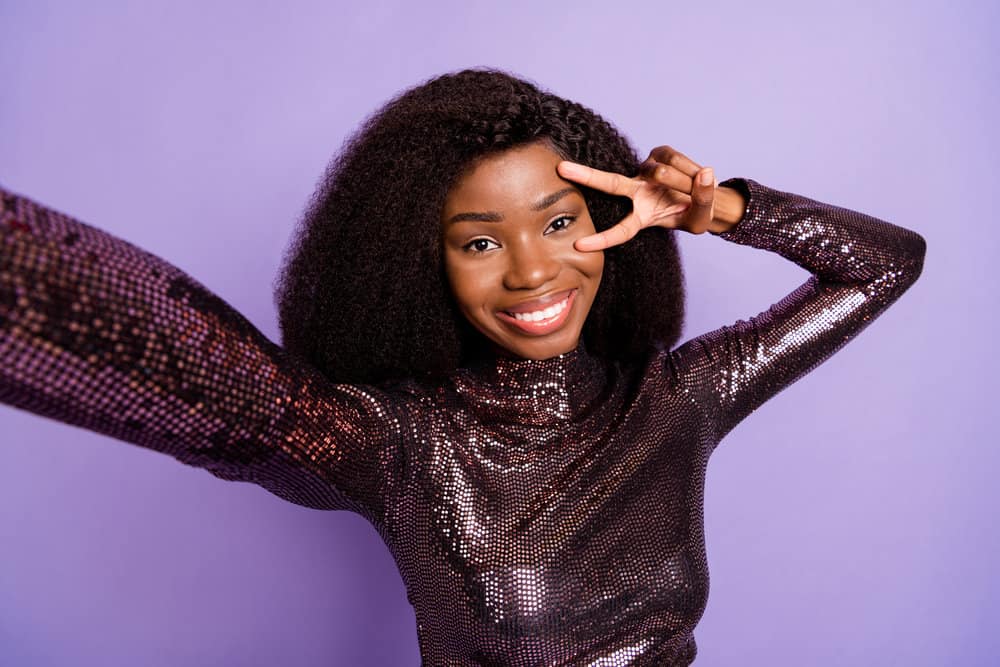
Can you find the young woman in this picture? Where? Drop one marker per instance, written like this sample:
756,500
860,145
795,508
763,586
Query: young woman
479,316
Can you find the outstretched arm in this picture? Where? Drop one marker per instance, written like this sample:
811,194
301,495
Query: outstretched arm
98,333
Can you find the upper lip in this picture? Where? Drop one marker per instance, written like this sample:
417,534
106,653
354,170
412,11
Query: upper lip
541,303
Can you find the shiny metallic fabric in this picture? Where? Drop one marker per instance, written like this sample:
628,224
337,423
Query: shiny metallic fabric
540,512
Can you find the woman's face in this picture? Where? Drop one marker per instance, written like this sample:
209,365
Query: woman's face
508,230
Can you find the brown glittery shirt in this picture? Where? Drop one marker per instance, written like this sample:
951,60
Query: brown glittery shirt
540,512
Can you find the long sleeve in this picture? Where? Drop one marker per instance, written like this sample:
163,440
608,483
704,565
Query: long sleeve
860,266
97,333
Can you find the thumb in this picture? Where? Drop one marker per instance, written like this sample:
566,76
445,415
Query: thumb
702,201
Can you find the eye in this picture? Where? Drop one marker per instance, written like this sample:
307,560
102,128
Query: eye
561,223
478,246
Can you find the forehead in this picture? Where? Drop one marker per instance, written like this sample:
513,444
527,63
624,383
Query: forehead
512,179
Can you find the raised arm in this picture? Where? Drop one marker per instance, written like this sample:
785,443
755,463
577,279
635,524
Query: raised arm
98,333
860,266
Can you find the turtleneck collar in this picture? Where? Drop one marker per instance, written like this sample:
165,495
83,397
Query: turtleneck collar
529,391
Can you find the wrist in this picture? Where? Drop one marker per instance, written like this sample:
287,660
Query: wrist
729,208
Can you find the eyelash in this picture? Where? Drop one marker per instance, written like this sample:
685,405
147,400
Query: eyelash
468,246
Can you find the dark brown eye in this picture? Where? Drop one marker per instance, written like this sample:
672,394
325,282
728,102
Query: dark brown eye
477,246
561,223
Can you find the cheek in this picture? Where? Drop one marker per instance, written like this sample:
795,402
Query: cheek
598,265
466,287
591,264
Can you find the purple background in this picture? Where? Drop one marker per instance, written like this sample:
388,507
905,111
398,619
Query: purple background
850,521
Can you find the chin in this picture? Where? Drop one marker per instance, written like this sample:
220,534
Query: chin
541,350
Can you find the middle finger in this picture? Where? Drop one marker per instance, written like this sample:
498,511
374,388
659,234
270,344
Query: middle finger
605,181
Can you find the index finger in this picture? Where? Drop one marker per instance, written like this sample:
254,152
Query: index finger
605,181
617,235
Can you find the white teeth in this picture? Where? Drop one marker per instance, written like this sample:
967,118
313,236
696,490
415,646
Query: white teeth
540,315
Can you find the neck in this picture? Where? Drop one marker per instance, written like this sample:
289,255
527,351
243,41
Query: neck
533,391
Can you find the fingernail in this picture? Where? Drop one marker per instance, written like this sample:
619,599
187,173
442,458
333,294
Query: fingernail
707,177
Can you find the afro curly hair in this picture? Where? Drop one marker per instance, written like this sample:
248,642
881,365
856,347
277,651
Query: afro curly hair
372,235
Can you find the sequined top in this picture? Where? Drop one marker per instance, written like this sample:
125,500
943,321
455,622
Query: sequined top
540,512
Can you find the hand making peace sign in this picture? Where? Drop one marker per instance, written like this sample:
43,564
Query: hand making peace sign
670,191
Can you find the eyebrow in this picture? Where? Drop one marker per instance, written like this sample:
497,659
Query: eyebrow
493,216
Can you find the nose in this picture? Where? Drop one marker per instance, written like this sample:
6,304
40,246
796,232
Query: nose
530,266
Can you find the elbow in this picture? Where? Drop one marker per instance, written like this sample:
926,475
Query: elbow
900,267
906,266
916,250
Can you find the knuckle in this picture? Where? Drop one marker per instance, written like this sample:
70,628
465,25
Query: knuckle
662,152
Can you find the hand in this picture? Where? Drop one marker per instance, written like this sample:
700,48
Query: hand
670,191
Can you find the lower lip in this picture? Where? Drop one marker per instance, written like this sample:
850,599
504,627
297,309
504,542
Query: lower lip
542,327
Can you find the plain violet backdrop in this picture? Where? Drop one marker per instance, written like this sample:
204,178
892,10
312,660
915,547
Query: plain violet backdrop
850,521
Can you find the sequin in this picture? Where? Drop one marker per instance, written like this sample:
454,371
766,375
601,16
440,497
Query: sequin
540,512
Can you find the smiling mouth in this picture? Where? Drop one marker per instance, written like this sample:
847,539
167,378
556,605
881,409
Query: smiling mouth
543,321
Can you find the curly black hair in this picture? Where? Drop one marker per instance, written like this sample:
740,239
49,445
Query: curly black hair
362,293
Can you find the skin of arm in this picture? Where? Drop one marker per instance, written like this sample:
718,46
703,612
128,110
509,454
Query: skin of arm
729,209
